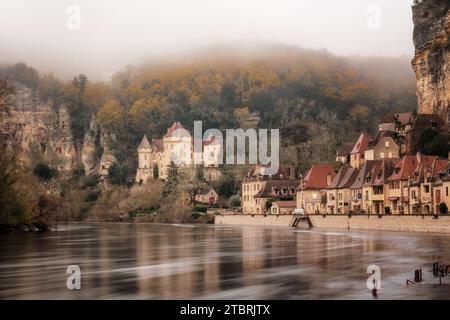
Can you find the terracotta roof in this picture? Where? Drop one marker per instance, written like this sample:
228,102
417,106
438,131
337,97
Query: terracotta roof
144,143
439,166
171,130
404,168
361,144
158,145
400,118
316,177
430,168
380,172
285,204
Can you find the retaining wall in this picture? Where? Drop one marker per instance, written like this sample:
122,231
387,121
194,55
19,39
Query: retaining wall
406,223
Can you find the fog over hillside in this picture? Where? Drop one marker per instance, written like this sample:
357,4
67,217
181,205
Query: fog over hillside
99,37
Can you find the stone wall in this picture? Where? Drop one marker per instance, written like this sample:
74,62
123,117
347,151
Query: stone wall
404,223
247,219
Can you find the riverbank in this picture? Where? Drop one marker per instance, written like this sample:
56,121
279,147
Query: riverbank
398,223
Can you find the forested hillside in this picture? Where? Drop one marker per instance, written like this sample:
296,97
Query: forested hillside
319,102
317,99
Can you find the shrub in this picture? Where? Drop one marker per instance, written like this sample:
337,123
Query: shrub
443,209
199,207
235,201
43,171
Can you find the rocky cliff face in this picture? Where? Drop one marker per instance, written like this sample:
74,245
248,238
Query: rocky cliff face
42,130
431,61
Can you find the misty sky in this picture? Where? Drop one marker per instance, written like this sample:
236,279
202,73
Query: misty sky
114,33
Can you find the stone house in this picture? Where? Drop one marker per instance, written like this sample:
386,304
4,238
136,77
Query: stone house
283,207
356,189
207,195
312,192
374,187
260,188
385,146
424,195
441,187
339,193
357,153
397,191
399,123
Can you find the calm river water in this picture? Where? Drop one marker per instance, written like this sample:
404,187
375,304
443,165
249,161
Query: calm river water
150,261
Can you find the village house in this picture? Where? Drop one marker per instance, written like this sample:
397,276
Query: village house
260,189
177,145
399,123
356,189
385,146
312,192
357,153
375,186
423,199
207,196
441,188
342,155
338,192
283,207
397,192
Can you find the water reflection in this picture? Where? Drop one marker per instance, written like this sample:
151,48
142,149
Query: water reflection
147,261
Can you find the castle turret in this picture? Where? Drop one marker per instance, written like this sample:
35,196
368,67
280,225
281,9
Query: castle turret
144,170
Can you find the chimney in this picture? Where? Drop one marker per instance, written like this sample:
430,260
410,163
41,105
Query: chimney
419,157
328,179
292,171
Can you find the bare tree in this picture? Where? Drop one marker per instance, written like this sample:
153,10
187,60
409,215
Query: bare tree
6,91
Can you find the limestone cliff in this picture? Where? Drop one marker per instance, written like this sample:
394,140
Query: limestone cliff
40,130
431,61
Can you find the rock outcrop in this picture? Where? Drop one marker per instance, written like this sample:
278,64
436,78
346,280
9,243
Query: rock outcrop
431,61
39,130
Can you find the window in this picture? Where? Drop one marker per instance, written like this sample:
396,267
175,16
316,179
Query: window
378,190
413,194
366,195
314,196
382,155
426,188
446,191
386,144
390,155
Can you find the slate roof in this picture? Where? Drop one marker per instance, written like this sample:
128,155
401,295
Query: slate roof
144,143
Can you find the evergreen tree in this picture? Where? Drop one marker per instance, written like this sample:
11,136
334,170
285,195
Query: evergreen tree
172,181
155,171
199,175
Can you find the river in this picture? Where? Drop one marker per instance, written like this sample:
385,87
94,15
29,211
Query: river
155,261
